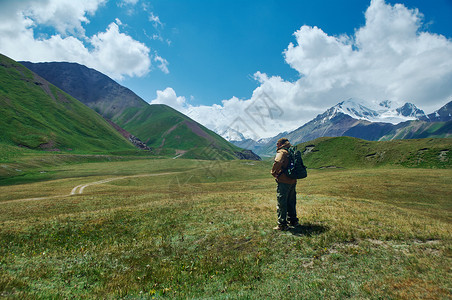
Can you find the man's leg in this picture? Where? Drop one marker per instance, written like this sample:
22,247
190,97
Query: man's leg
292,205
281,195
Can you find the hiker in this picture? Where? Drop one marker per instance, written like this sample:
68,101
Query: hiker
285,193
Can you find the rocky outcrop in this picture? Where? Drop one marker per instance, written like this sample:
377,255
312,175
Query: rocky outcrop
138,143
133,139
247,154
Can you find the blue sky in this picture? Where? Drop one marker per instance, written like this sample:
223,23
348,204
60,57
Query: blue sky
217,47
213,59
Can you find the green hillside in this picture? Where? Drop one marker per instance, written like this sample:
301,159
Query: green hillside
419,129
37,115
347,152
167,130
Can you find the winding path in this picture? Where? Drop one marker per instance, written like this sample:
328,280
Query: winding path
79,189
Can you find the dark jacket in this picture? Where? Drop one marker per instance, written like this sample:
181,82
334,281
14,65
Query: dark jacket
281,163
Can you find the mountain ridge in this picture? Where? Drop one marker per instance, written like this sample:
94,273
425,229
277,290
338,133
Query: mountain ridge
159,126
383,120
385,111
89,86
353,118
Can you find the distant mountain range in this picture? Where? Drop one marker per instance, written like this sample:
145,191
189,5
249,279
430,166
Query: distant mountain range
165,130
372,122
170,132
384,112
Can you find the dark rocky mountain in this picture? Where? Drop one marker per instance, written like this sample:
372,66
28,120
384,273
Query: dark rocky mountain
330,123
443,114
410,110
89,86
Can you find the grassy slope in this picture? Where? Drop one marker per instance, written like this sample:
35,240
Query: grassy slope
89,86
37,115
366,234
420,129
149,123
347,152
160,126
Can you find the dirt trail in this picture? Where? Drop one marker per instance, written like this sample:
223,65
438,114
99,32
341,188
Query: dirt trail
79,189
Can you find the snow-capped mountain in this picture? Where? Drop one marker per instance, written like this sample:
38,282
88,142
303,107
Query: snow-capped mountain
236,136
443,114
369,121
230,134
385,111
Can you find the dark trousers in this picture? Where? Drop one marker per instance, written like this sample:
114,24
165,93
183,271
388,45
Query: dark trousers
287,202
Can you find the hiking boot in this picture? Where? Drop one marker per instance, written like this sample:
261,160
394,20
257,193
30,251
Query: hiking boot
281,227
294,224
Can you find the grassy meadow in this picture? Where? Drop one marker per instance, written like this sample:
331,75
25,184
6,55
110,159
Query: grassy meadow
203,229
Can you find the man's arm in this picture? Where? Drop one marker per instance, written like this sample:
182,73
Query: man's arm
277,165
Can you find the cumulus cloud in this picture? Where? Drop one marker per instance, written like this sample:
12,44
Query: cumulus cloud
118,54
111,51
66,16
169,97
390,57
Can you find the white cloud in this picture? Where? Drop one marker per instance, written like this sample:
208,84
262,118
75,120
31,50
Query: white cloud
155,19
129,2
111,51
163,63
118,54
388,58
66,16
169,97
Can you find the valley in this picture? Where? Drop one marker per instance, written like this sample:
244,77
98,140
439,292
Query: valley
164,130
182,228
375,222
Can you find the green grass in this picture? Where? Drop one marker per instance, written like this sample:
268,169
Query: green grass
421,129
347,152
22,165
205,232
165,129
37,115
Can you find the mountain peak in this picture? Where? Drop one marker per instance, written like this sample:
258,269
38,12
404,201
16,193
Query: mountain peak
410,110
385,111
386,104
357,109
443,114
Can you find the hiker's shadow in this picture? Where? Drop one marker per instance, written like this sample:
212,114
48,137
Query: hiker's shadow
308,229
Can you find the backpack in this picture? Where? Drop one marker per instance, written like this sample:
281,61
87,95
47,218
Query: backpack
295,169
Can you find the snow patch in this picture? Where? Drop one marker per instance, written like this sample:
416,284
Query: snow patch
385,111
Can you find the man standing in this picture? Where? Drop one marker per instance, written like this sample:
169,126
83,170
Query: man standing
285,192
